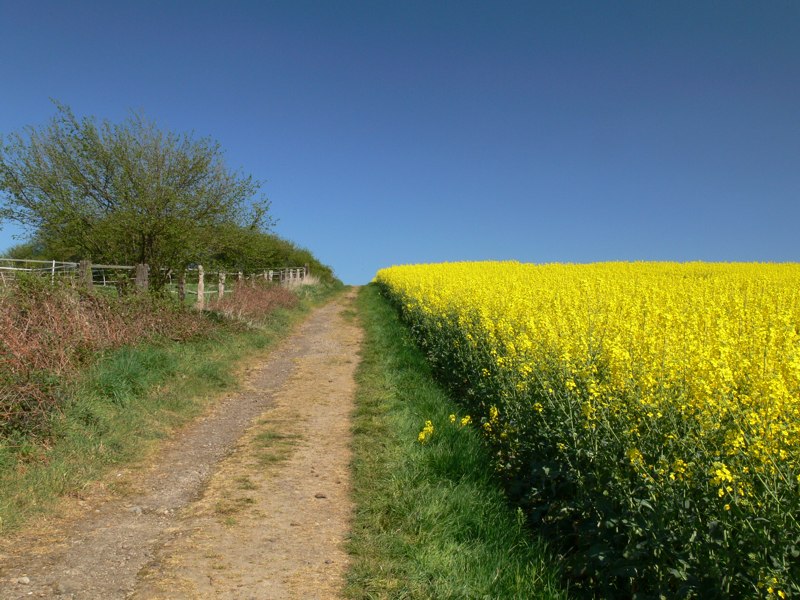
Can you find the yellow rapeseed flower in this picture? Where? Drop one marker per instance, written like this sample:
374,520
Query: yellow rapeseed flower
426,433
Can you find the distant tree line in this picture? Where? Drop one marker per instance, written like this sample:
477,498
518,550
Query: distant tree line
131,193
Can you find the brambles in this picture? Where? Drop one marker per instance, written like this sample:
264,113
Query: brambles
646,415
254,301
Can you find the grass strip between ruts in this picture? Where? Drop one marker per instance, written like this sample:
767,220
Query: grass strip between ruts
430,522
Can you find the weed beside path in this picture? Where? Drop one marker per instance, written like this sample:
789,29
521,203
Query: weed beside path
430,522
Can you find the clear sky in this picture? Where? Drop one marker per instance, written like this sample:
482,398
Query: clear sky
403,132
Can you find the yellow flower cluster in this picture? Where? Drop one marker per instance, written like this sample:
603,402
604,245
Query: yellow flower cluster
426,433
689,373
464,421
718,344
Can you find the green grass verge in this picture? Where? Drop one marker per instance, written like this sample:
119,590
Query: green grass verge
430,521
124,403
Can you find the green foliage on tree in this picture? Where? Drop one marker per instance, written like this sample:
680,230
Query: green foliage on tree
126,193
247,250
31,249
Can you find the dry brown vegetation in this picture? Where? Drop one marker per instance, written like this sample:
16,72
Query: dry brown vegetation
250,301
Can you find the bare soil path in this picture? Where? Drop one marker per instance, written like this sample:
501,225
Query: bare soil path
251,501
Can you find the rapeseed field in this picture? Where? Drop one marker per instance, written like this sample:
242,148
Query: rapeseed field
645,415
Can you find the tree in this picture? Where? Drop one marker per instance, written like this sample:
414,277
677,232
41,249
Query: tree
30,250
244,249
125,193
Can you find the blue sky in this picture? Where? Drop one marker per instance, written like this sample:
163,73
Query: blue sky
404,132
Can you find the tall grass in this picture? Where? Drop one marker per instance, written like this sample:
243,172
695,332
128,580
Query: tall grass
430,521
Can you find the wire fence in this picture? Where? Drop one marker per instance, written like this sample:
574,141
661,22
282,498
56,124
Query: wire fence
194,281
11,267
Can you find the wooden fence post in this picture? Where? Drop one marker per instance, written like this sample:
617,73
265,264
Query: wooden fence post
221,286
240,276
85,273
182,287
201,288
142,275
305,271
